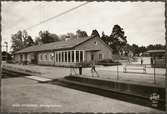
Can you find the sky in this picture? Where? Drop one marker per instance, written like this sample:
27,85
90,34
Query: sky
142,22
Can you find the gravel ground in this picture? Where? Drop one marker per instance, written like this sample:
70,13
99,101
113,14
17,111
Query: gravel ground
109,72
25,95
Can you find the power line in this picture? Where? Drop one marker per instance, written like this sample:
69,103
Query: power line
38,6
63,13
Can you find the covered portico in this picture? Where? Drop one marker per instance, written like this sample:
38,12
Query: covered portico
69,56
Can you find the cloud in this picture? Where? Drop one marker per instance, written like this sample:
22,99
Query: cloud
143,22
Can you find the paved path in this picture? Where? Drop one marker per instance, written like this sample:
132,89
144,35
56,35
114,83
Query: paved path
25,95
109,72
38,78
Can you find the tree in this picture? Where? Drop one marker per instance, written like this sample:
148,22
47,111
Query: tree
68,35
38,41
95,33
71,35
21,40
17,41
117,39
105,38
155,47
135,49
81,34
47,37
142,49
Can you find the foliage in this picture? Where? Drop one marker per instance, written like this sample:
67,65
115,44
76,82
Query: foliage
117,39
137,50
46,37
108,62
21,40
68,35
95,33
81,34
38,41
155,47
4,55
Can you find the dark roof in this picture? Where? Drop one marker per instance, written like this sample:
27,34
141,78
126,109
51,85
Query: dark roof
156,51
55,45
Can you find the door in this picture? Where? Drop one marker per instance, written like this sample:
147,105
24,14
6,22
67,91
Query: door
92,56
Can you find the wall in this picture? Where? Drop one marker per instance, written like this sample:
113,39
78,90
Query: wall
46,59
17,57
99,45
52,61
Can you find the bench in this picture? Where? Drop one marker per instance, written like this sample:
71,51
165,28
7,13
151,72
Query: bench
134,67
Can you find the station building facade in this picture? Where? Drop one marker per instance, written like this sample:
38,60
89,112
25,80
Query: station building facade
65,53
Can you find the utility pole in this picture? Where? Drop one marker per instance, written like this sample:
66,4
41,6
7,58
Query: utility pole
6,45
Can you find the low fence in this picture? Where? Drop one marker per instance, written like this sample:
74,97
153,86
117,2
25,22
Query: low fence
139,73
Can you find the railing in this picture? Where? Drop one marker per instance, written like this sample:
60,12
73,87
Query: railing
138,73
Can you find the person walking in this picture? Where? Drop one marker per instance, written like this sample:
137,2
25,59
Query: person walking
93,69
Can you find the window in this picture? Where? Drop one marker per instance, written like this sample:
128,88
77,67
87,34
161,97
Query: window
77,56
56,57
92,56
95,43
41,57
72,56
51,56
81,56
100,56
69,56
62,56
65,56
46,57
59,56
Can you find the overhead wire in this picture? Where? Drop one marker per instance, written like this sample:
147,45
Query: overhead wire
58,15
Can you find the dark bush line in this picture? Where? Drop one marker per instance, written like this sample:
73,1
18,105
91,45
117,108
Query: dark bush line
108,62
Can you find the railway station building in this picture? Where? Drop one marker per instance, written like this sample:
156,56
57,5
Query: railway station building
66,52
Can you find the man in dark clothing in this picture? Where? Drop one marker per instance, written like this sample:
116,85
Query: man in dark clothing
141,61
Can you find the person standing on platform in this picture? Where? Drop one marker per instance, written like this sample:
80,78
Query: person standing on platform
141,61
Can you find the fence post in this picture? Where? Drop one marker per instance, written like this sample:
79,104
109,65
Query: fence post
117,71
154,71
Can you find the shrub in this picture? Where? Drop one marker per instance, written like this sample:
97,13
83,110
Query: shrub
108,62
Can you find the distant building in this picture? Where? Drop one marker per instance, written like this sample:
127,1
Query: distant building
157,58
65,53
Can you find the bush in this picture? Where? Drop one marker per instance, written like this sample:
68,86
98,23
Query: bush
108,62
83,64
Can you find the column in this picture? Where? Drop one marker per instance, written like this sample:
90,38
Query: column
70,56
55,56
83,58
67,56
79,56
64,55
58,56
74,56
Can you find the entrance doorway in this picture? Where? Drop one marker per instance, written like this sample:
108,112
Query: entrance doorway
92,56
